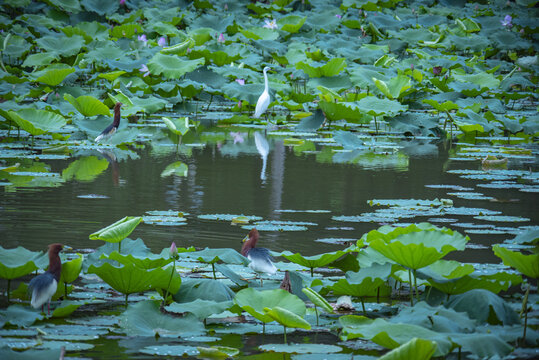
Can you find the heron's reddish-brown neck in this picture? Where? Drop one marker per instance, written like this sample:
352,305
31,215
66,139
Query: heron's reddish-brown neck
251,243
116,121
55,264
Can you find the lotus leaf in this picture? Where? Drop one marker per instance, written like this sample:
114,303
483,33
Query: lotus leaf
291,23
63,46
391,335
18,262
210,256
526,264
118,231
374,106
172,67
53,75
179,126
314,261
286,318
331,68
416,348
494,283
37,122
88,105
493,309
419,249
145,319
254,302
217,352
71,269
130,279
18,315
200,308
203,289
317,299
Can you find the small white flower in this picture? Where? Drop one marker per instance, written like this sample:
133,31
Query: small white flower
270,24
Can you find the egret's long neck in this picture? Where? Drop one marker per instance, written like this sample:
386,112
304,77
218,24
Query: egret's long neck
116,121
266,86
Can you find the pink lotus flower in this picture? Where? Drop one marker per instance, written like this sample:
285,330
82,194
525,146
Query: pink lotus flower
122,2
144,69
162,41
143,38
173,250
270,24
338,16
507,21
221,38
240,81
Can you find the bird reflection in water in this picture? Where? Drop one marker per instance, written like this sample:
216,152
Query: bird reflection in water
262,146
111,158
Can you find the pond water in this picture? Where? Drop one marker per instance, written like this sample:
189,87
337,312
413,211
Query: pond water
227,175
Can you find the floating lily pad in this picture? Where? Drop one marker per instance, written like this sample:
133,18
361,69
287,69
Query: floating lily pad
227,217
301,348
170,350
501,218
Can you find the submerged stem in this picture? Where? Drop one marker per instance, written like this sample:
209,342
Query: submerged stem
284,334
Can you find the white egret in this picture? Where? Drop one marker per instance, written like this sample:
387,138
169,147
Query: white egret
264,99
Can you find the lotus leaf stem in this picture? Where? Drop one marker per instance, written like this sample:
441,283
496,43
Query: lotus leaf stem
284,334
411,289
363,306
169,281
126,295
213,270
415,286
312,272
8,289
316,311
525,311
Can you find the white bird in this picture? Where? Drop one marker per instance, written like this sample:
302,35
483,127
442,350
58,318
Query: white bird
264,99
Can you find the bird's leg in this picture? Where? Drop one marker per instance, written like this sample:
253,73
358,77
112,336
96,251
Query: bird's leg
49,308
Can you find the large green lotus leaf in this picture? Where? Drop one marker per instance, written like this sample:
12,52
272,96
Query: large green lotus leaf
311,123
200,308
485,307
203,289
18,315
88,105
436,318
145,319
291,23
53,74
485,80
446,270
482,346
102,7
179,126
374,106
417,349
130,279
232,275
314,261
201,35
18,262
390,335
210,256
445,106
494,283
172,67
395,87
126,30
367,287
254,302
67,307
71,269
468,121
316,69
317,299
85,169
147,261
16,46
343,110
37,122
419,249
527,237
177,168
40,59
61,45
287,318
258,33
526,264
118,231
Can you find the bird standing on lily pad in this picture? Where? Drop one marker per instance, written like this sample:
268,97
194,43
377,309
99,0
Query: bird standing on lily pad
44,286
111,129
264,99
261,260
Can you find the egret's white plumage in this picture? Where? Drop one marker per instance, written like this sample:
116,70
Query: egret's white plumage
264,99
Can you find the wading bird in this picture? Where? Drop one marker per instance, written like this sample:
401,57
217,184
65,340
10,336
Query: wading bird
264,99
261,260
111,129
43,286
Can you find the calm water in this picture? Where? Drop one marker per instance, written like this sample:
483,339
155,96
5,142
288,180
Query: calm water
226,178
